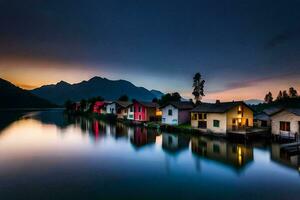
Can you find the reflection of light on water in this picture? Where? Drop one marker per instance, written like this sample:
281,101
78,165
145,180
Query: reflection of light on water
28,138
159,140
240,158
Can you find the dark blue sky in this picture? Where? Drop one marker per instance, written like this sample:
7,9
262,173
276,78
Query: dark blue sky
158,44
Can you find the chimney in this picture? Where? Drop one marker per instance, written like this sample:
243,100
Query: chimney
218,101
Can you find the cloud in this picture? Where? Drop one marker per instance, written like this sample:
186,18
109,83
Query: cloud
255,82
282,38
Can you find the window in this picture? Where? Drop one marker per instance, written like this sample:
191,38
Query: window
170,113
240,110
194,116
202,124
216,123
163,119
131,108
285,126
140,109
202,116
140,117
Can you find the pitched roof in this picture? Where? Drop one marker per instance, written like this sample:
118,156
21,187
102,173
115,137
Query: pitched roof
181,105
123,104
148,104
217,107
295,111
271,111
262,116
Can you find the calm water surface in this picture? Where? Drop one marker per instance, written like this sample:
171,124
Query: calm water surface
47,155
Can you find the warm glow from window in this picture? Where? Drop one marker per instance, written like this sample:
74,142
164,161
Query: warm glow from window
158,113
240,158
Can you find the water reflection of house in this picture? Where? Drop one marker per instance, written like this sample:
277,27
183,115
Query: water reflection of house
98,129
284,158
142,136
174,142
121,130
235,155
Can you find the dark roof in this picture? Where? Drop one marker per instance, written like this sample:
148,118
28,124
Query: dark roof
148,104
123,104
262,117
217,107
181,105
295,111
271,111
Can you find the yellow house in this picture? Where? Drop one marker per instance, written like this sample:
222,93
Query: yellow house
222,117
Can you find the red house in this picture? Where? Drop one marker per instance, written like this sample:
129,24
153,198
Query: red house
144,111
98,106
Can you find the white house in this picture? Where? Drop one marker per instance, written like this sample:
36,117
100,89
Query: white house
111,108
286,123
175,113
263,119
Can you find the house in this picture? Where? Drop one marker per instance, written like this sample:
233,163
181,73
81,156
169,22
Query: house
111,108
175,113
119,108
286,123
222,118
98,107
122,109
263,119
146,111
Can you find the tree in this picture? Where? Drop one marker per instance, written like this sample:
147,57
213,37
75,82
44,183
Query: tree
279,96
155,100
269,98
68,105
198,85
123,98
285,94
292,92
169,97
83,104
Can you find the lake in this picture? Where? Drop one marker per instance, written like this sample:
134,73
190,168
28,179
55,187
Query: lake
49,155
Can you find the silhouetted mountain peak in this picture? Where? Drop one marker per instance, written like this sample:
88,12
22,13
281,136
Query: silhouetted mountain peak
96,86
14,97
63,83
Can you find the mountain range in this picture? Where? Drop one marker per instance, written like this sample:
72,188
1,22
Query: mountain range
108,89
12,96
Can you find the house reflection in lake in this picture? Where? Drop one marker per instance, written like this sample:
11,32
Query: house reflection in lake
173,143
141,136
234,155
291,160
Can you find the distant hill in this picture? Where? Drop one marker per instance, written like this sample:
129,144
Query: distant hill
157,94
253,101
97,86
12,96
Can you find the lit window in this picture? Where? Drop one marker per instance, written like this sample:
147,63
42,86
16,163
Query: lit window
194,116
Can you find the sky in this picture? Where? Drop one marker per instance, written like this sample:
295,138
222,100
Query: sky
243,49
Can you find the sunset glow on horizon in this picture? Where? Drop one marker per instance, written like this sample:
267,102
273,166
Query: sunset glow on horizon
241,51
